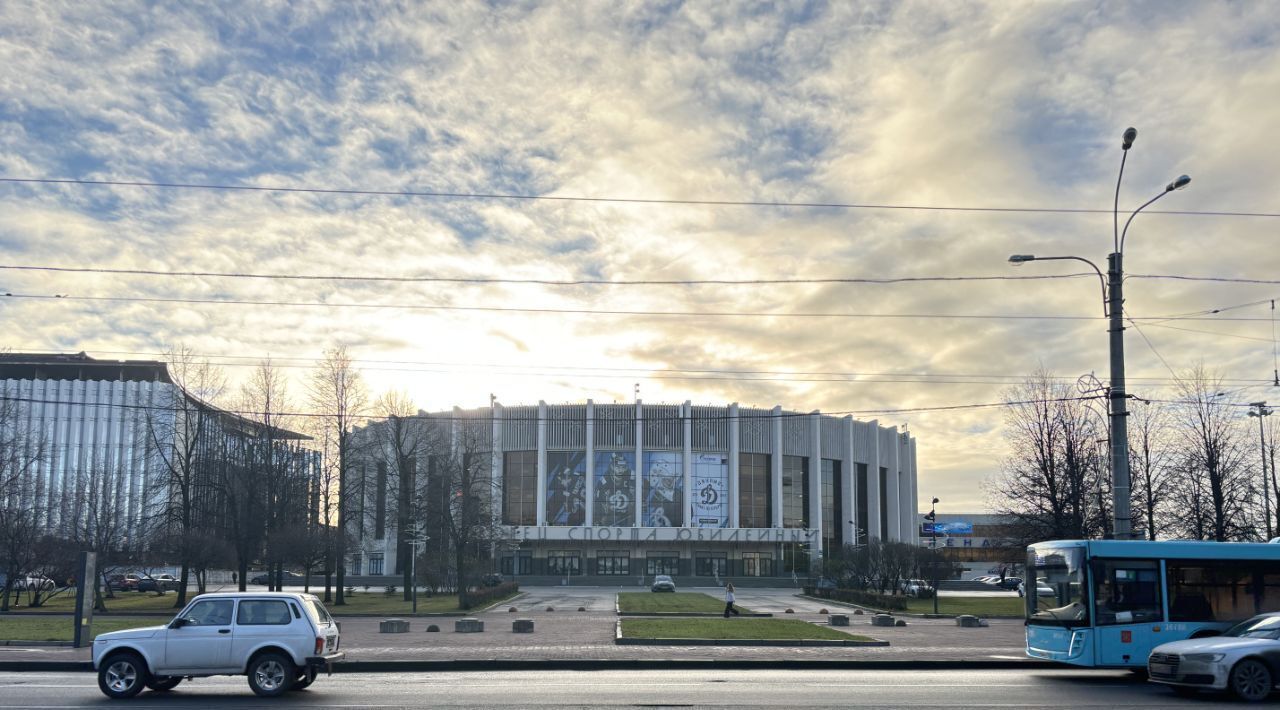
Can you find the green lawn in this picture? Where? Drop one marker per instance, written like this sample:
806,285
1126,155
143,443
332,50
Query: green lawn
362,602
1011,605
734,629
649,602
59,628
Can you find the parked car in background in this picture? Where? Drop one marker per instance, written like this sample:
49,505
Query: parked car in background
917,588
286,578
1042,589
826,583
1240,660
158,583
663,583
281,641
1010,583
492,579
124,582
33,581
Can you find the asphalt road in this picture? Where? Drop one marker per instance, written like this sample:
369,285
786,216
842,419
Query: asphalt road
650,689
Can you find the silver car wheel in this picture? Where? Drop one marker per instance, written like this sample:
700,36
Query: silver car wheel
1251,680
121,676
270,675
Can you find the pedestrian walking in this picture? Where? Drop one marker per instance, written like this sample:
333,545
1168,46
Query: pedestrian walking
728,601
234,578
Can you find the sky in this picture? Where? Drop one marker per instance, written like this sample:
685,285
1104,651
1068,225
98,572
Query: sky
911,104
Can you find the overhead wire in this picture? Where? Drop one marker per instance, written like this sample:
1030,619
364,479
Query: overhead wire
606,200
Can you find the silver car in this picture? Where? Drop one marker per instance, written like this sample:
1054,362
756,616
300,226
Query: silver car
1241,660
663,583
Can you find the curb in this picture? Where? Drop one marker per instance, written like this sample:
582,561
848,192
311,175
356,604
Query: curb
690,614
38,644
601,664
898,613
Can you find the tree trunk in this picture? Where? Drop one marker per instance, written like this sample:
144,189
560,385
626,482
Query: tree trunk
243,572
182,586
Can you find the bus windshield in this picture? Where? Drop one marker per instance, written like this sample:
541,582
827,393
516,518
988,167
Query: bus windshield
1055,585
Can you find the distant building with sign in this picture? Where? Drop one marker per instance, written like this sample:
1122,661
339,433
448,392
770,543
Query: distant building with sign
969,537
590,493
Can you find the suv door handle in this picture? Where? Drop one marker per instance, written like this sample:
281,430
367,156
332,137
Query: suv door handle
224,631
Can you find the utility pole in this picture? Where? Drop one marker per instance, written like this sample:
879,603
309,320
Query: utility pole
1260,410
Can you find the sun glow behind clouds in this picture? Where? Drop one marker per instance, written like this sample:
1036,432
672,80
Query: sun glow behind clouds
917,103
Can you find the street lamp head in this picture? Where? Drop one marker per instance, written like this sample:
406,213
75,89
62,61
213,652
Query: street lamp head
1130,133
935,500
1181,182
1017,259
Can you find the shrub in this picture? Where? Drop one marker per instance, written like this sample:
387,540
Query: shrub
854,596
479,597
389,590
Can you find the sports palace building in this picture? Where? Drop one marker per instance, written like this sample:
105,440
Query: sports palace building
591,493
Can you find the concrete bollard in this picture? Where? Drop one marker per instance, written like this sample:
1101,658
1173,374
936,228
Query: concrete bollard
551,608
522,626
432,628
823,611
857,612
900,622
468,625
393,626
511,610
838,619
882,620
968,621
790,611
582,608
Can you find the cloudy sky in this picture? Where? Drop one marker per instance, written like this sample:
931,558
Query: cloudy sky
955,104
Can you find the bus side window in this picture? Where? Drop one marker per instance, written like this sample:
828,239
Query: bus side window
1210,590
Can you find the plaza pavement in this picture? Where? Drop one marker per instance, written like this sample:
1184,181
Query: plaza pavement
567,634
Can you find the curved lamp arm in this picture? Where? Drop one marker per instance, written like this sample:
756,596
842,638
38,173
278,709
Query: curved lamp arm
1018,259
1177,184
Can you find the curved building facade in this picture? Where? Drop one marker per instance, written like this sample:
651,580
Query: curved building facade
609,491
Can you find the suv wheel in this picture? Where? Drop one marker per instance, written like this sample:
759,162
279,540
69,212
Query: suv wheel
163,683
305,679
122,676
1251,680
271,674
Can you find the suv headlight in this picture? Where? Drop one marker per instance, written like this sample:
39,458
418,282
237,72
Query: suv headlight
1203,657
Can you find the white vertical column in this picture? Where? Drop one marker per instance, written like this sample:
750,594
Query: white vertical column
892,504
848,484
687,498
735,458
495,461
815,482
907,492
873,480
915,493
775,470
639,502
591,464
542,463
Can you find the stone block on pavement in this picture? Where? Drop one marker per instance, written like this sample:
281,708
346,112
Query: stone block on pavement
968,621
468,625
882,620
522,626
838,619
393,626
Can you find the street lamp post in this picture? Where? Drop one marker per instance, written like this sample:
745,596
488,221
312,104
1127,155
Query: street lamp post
1260,410
933,546
1113,300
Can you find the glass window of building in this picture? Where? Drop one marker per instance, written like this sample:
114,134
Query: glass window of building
832,506
795,558
663,489
754,495
521,564
757,564
375,563
564,562
662,563
520,488
380,503
355,565
795,492
613,562
884,503
711,564
566,488
710,491
861,491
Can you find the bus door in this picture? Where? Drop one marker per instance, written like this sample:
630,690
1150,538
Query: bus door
1128,611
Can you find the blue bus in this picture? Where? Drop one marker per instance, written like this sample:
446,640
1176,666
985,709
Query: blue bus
1107,603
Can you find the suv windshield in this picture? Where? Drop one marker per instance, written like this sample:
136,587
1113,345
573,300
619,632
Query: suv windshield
1060,569
1259,627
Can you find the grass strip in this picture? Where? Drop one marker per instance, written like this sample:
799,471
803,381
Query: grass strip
361,602
733,629
60,628
1011,605
652,602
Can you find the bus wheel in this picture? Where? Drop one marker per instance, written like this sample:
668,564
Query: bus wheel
1251,680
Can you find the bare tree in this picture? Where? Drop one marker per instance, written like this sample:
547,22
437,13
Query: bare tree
338,395
1052,484
22,515
180,433
398,445
1152,458
1216,492
100,524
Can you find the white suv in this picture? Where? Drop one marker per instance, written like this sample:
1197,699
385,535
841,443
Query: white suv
280,640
